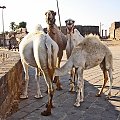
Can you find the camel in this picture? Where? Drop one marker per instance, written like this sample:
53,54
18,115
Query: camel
58,37
38,50
88,54
74,38
73,35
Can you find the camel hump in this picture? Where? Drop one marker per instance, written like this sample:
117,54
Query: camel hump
38,27
92,35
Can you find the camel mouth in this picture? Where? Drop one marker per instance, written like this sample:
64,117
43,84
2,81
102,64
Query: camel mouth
70,28
70,25
50,21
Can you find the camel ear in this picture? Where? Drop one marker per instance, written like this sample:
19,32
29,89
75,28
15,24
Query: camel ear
54,13
66,21
45,13
73,21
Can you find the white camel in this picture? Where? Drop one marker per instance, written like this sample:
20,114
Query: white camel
73,35
38,50
88,54
74,38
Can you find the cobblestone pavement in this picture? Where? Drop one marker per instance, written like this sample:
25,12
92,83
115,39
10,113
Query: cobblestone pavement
93,108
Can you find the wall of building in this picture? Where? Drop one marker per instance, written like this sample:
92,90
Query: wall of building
114,30
84,29
117,33
10,82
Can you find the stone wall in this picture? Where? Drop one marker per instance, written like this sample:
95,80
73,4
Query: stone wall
10,82
84,30
114,30
117,33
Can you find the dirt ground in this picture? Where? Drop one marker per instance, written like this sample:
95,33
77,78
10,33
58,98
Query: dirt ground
111,42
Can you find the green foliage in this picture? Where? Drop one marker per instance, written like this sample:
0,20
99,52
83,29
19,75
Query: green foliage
22,25
13,26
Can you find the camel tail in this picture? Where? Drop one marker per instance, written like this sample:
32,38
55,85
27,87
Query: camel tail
64,69
49,54
109,61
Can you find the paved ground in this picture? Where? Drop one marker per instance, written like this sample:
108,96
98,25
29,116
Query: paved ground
93,108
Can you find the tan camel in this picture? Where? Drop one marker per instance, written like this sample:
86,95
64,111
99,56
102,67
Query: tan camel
88,54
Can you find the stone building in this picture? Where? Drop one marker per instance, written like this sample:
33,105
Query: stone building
84,30
13,38
114,31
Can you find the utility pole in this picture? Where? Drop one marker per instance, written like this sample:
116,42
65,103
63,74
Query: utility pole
58,13
101,28
3,7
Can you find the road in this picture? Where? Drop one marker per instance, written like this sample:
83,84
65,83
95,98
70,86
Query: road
93,108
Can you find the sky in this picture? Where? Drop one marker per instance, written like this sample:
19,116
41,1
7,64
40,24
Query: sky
84,12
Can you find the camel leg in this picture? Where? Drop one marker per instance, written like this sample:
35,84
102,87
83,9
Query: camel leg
80,88
25,91
104,83
49,83
59,60
56,78
37,78
110,82
58,84
49,105
72,81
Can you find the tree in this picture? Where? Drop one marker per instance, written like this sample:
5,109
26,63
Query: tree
22,25
13,26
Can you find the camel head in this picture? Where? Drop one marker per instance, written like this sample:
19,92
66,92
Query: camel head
50,17
70,25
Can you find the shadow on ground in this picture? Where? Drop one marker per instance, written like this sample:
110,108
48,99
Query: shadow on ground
93,108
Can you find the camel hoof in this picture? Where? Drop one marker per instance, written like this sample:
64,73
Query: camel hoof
77,104
46,113
23,96
81,100
59,88
108,96
72,91
38,96
98,95
54,81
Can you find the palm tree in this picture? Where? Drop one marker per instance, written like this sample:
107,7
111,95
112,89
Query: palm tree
13,26
22,24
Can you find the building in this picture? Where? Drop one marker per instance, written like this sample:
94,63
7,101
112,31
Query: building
12,37
114,31
84,30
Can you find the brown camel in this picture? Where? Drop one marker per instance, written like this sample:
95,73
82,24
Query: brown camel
58,37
